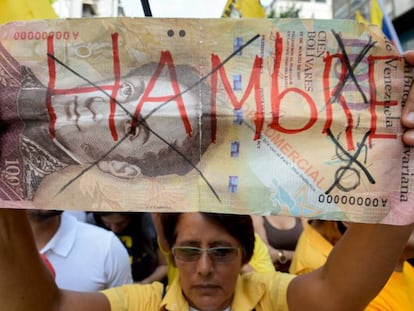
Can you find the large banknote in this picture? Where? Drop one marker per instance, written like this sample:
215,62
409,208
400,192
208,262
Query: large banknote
254,116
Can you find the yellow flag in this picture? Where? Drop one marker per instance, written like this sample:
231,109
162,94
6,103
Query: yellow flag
243,8
377,15
360,18
380,17
11,10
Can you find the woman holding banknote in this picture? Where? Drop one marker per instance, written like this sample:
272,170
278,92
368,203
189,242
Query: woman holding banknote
209,251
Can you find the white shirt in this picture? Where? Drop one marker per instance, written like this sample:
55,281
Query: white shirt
86,257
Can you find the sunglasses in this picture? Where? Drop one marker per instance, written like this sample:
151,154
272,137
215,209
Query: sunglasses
216,254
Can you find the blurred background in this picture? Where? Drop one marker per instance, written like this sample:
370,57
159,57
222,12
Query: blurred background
399,12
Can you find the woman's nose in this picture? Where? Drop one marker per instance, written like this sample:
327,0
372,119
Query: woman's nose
204,264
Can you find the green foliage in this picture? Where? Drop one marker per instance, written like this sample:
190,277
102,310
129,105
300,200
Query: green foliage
292,11
272,14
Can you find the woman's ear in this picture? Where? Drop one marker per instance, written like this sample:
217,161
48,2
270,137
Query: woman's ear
119,169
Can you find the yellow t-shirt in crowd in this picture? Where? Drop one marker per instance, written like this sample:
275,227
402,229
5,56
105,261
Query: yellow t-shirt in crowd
398,292
311,251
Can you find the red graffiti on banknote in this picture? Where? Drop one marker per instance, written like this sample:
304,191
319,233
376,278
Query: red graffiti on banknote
332,89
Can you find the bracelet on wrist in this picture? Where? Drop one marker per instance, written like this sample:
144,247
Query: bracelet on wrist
281,258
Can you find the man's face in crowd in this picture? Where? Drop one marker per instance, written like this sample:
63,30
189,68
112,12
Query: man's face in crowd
116,222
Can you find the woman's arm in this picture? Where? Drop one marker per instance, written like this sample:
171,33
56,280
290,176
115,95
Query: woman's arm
275,254
160,272
258,224
26,283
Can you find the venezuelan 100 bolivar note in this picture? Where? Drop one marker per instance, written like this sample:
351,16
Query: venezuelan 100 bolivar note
292,117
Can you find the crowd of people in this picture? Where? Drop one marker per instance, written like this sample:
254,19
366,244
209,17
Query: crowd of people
107,252
137,247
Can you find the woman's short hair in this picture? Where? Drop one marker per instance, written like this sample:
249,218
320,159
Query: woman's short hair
239,227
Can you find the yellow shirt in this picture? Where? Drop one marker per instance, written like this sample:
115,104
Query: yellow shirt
261,261
398,292
259,291
311,251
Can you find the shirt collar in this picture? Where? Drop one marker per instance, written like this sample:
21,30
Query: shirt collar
246,296
174,299
64,239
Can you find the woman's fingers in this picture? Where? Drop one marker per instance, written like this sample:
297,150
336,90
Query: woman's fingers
407,117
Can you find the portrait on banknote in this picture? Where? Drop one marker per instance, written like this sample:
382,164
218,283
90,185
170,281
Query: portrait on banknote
84,129
297,117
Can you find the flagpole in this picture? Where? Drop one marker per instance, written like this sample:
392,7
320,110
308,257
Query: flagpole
390,27
146,8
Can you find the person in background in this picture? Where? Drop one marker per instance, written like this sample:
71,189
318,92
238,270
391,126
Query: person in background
398,293
137,233
315,244
83,256
260,261
280,234
79,215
